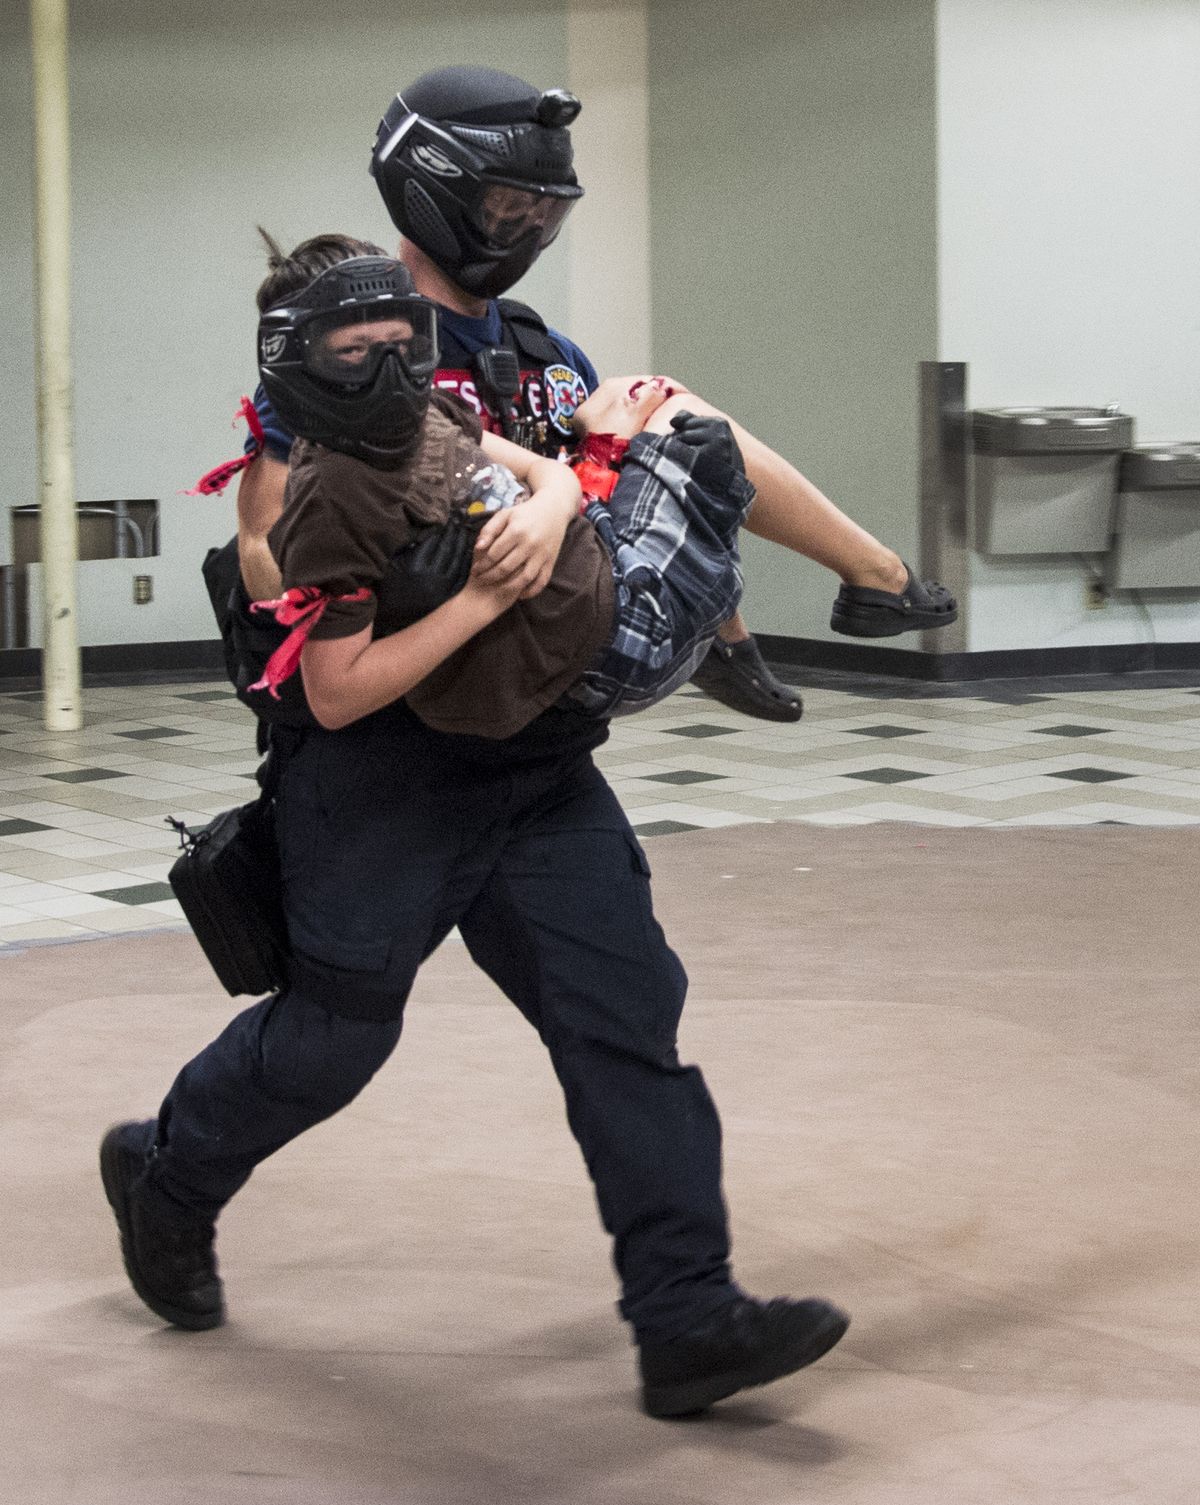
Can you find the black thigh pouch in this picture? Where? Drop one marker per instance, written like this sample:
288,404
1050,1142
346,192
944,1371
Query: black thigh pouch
228,885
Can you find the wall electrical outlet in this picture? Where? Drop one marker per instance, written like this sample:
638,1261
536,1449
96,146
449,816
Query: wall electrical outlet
1095,595
143,589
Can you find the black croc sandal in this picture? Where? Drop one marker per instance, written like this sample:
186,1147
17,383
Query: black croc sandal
737,676
860,612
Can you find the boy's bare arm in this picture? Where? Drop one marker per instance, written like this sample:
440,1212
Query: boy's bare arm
521,543
347,678
259,504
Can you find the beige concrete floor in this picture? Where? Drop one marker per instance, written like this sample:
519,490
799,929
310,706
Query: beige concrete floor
958,1074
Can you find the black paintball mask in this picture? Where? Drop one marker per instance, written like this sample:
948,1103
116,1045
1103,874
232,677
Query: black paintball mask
475,167
349,362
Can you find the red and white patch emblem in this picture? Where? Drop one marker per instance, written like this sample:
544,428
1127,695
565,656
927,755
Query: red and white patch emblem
565,391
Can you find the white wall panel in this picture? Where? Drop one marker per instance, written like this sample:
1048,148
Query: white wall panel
1069,221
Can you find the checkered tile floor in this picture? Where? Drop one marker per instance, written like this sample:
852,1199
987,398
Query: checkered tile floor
84,847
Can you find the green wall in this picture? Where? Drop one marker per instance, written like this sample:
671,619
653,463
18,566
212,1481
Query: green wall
793,247
190,125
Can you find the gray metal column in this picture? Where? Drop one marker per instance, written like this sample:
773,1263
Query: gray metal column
945,440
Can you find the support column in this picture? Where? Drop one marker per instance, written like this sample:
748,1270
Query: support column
61,679
610,230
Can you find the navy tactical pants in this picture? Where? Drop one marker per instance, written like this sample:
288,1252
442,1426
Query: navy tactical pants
387,842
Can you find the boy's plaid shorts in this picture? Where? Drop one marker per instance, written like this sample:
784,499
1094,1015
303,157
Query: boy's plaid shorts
672,536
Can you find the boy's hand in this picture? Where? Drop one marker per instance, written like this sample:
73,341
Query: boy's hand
491,596
520,545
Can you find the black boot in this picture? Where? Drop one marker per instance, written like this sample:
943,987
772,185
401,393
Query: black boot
168,1257
745,1343
737,676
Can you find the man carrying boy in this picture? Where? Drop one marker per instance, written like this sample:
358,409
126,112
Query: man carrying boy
391,833
636,591
475,169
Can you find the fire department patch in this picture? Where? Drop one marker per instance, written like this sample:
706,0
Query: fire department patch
565,390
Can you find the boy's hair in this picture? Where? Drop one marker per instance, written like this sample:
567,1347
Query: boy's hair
291,274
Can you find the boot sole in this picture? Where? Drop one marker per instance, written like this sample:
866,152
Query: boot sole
886,621
667,1401
118,1200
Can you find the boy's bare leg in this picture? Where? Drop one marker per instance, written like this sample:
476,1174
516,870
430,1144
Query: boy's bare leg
734,671
789,510
735,630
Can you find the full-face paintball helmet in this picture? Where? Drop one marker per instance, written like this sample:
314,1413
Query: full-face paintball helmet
349,361
475,168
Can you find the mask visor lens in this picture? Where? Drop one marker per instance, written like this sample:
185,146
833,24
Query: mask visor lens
506,214
347,346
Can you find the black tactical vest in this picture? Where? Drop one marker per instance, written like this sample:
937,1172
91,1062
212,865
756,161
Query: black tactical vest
547,390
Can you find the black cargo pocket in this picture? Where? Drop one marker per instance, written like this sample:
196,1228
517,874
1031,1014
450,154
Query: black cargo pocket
332,903
640,864
350,992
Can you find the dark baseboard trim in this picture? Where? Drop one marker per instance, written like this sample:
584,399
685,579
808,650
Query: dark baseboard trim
136,659
204,655
948,668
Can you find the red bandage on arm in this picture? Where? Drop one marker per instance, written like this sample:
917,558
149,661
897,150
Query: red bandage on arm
213,482
300,608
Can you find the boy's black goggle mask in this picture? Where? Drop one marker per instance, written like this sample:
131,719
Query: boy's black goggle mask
343,326
349,362
346,347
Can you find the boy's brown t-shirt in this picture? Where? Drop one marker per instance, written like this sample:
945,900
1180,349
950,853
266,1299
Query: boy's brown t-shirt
342,521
